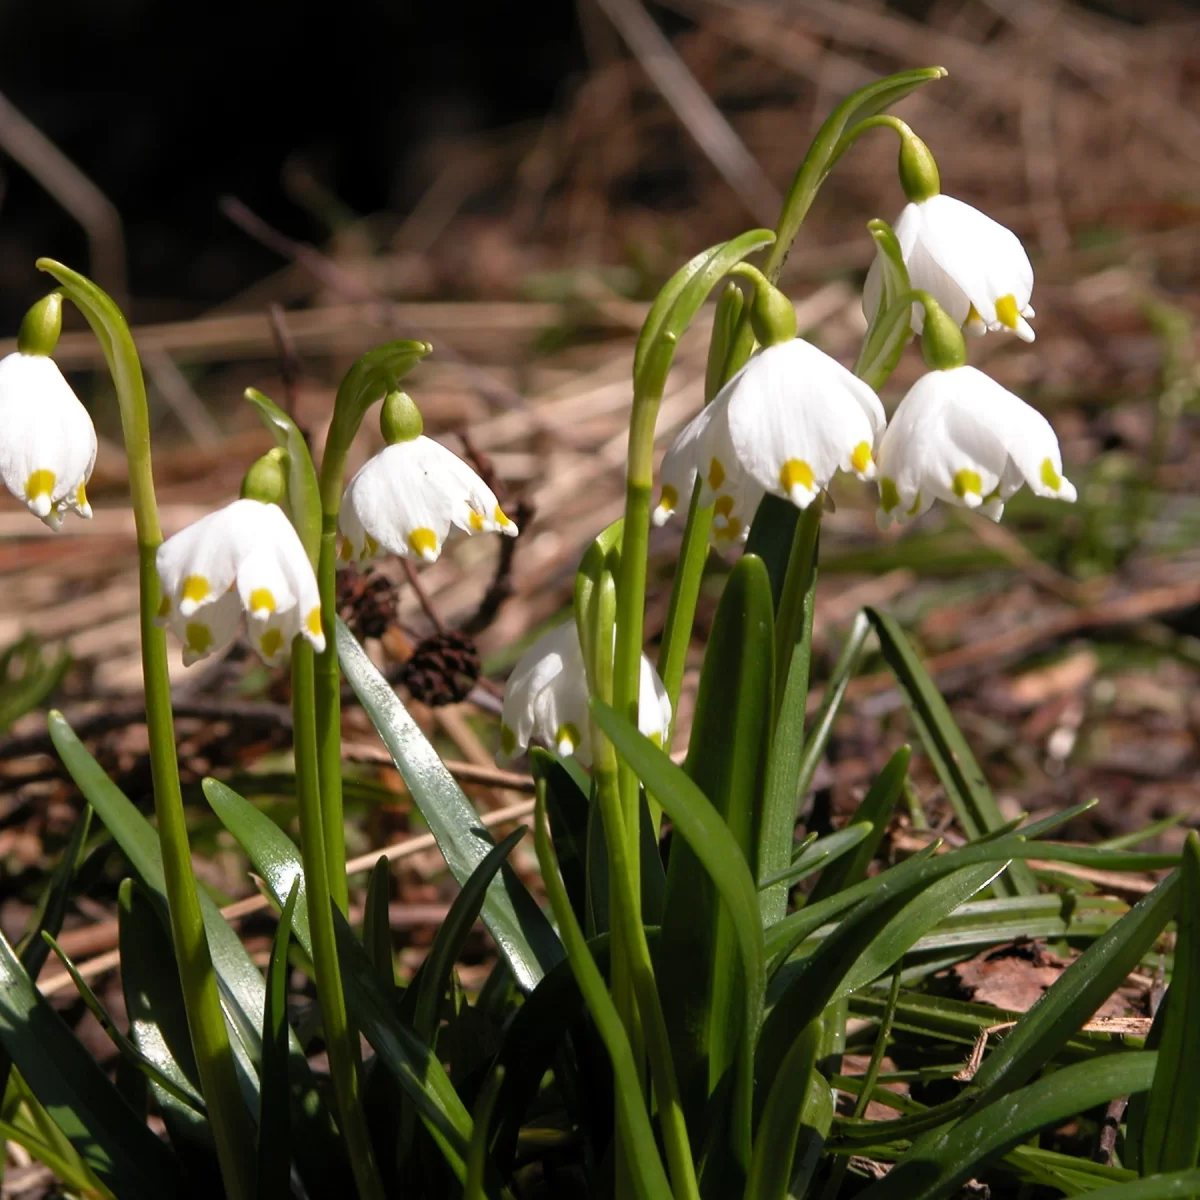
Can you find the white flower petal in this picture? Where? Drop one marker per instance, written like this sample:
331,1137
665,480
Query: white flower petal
47,440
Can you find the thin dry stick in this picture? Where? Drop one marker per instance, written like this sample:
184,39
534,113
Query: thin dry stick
695,110
94,967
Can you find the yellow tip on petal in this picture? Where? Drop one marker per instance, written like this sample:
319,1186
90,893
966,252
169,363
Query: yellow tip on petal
974,323
475,520
370,546
503,520
968,487
195,589
860,459
723,507
796,473
566,739
889,495
39,483
164,606
81,501
198,638
1007,312
262,600
270,643
1050,477
508,741
345,550
716,474
424,543
668,498
313,621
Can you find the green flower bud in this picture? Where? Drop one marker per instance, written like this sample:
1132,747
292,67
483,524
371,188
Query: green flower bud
772,316
400,418
267,478
942,341
41,326
919,175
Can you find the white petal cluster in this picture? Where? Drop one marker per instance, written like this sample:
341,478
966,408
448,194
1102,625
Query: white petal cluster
960,437
47,440
244,557
546,698
974,267
785,423
406,499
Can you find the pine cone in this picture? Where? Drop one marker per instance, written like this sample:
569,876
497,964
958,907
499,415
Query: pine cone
366,601
442,670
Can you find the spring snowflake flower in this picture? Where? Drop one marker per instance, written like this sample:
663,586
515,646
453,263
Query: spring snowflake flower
47,440
960,437
546,698
974,267
785,423
246,556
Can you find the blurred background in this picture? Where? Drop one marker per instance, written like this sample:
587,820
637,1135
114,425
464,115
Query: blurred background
273,189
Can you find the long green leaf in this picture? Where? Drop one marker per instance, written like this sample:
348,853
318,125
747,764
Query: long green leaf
272,1180
875,810
822,853
779,1128
1173,1186
511,915
701,827
942,1161
377,931
698,967
1078,992
966,788
277,861
107,1134
423,1001
1170,1131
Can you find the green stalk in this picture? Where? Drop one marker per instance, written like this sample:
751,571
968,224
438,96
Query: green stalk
340,1040
232,1127
790,640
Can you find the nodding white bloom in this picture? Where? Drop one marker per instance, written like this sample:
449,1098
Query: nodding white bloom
47,440
546,698
785,423
960,437
406,499
245,556
974,267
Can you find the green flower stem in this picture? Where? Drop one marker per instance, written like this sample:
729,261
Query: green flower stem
232,1126
798,582
340,1040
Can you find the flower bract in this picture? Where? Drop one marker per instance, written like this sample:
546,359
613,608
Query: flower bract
974,267
244,557
408,497
960,437
546,699
785,423
47,440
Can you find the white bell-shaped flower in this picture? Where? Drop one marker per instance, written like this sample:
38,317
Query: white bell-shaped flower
406,499
47,440
785,423
960,437
546,698
974,267
243,557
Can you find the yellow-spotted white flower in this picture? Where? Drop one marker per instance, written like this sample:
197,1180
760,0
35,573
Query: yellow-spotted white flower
408,497
974,267
244,557
47,440
960,437
785,423
546,699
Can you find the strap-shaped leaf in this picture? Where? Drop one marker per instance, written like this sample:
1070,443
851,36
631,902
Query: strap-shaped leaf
820,853
956,767
512,917
106,1133
939,1163
277,861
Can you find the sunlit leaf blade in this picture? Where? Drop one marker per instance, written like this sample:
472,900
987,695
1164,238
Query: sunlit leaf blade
822,853
1078,992
941,1162
701,827
423,1000
1170,1129
1175,1185
377,932
159,1029
699,968
511,915
642,1155
875,810
277,861
956,767
304,496
779,1127
107,1134
273,1163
